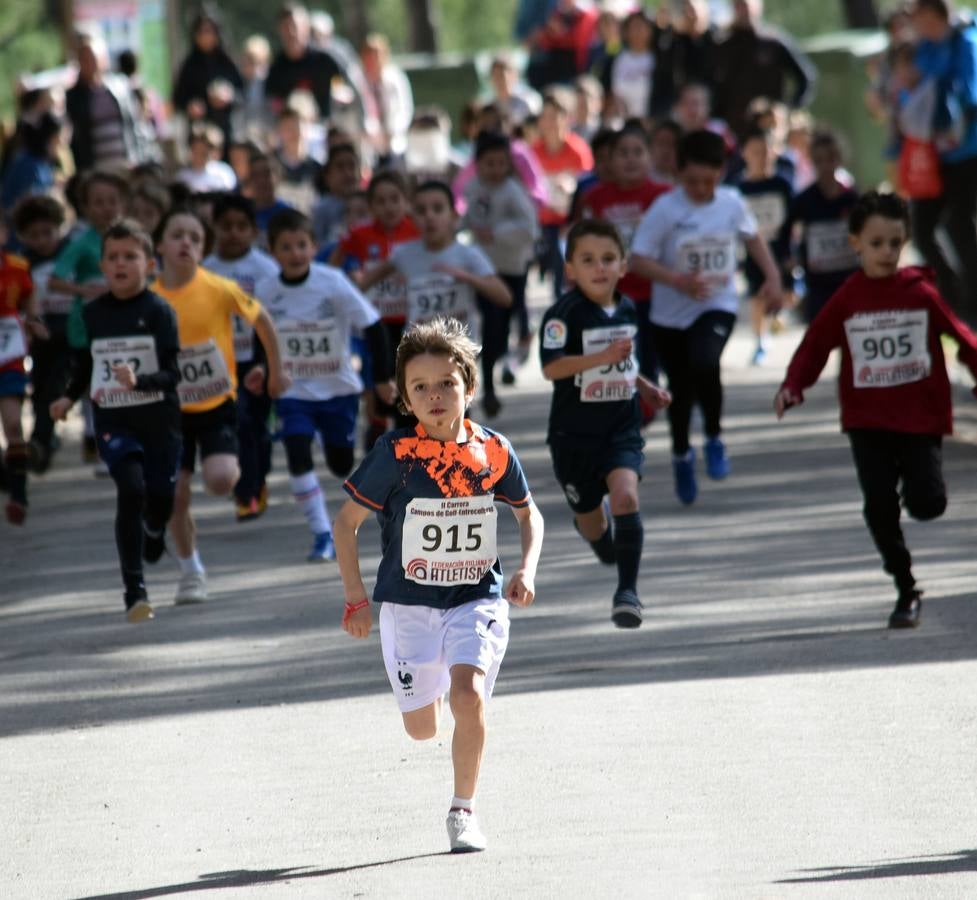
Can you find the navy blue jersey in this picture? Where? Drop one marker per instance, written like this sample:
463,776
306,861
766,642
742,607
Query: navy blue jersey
435,503
769,200
603,400
825,252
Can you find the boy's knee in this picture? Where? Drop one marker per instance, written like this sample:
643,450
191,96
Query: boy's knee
466,699
923,509
623,502
222,483
339,460
421,730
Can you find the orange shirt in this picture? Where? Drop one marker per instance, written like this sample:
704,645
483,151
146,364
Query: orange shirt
16,288
204,308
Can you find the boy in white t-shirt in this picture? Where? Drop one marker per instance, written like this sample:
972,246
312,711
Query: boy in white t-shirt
235,257
687,244
315,307
442,275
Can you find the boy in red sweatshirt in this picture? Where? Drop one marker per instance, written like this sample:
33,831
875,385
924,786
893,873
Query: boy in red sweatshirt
894,390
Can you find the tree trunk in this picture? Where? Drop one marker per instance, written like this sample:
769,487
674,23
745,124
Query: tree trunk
423,33
860,13
357,20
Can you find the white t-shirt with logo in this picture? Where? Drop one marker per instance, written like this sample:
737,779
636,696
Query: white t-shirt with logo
431,293
314,320
631,81
246,272
690,237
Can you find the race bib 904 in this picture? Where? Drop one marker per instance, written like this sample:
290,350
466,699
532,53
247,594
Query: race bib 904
203,373
139,353
449,541
889,348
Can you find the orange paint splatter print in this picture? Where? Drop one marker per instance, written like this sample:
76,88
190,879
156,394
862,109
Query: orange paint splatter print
459,470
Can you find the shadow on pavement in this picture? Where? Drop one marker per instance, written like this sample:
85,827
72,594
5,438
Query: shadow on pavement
959,863
250,878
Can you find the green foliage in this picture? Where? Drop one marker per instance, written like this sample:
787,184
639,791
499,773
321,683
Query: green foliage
27,44
805,19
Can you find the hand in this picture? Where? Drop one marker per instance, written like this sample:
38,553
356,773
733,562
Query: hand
654,396
359,623
521,590
59,408
615,352
254,381
93,289
784,400
125,375
483,235
37,328
773,293
693,284
278,383
387,392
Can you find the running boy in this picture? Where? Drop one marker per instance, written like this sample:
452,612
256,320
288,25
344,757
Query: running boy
18,319
205,304
235,257
442,274
131,371
768,195
315,308
588,349
687,243
444,615
893,386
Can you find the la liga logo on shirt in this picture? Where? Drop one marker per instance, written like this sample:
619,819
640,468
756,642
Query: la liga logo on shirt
554,334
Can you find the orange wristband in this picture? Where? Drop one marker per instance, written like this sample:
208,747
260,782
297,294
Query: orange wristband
351,608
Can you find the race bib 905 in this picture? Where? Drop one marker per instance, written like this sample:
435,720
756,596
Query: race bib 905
889,349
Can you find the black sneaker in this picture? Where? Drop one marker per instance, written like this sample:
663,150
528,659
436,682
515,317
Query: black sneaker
626,609
907,611
508,376
40,457
153,545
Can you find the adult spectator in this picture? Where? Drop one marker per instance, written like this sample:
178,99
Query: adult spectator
389,99
32,169
299,65
517,101
99,106
694,53
253,118
209,83
755,60
560,47
947,53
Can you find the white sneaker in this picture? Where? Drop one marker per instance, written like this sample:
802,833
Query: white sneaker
464,833
191,589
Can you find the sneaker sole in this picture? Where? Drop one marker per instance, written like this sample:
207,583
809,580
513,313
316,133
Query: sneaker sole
903,624
189,601
467,849
626,617
140,612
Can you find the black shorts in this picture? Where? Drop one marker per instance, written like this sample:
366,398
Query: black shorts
582,465
213,431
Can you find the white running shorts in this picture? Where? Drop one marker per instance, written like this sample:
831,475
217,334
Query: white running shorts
421,644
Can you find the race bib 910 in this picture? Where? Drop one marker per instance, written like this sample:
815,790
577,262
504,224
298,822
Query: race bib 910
449,541
712,258
139,353
203,373
889,348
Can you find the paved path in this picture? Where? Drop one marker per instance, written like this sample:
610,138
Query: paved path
762,736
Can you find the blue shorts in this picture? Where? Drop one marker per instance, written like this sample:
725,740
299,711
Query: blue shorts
334,420
160,457
13,384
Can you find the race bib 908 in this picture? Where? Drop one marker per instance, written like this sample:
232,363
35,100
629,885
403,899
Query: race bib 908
615,381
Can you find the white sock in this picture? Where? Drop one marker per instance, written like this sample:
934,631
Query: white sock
308,495
462,803
191,565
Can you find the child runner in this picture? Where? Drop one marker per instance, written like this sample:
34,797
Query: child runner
442,274
622,201
263,176
39,221
340,179
687,244
18,319
130,369
820,214
365,248
235,257
444,614
315,308
78,269
893,386
502,219
768,195
205,305
588,349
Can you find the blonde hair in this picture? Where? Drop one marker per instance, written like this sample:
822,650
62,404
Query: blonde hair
439,337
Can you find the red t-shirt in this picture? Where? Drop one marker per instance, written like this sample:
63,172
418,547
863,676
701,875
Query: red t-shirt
624,207
16,287
570,160
893,374
372,244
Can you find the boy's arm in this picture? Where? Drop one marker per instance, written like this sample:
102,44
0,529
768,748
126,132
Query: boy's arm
264,327
652,394
345,529
369,279
521,589
491,287
568,366
759,252
685,282
946,322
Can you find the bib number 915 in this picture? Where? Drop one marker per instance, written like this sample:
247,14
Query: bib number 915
451,536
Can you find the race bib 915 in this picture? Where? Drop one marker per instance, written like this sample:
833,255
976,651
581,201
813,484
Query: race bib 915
889,348
449,541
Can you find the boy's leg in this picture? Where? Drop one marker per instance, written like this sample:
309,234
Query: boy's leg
921,463
192,586
250,429
877,464
467,699
673,351
298,430
707,340
130,486
47,376
17,457
758,321
622,486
